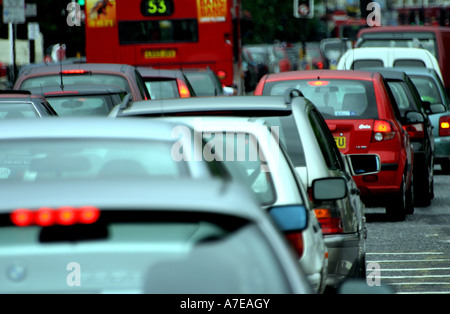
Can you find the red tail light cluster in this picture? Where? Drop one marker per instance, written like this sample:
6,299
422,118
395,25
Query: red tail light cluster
382,131
329,224
444,126
46,216
415,130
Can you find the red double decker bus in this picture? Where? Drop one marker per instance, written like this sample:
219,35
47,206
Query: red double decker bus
167,34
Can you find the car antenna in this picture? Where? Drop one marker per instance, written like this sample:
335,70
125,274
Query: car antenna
60,69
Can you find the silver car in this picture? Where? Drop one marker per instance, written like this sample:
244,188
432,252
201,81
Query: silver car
74,148
165,236
313,152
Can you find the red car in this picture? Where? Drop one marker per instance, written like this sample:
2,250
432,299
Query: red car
357,107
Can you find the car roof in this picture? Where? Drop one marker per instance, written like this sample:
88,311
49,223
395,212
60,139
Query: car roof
221,104
88,127
152,72
78,89
390,73
201,195
317,74
417,71
20,95
97,67
402,28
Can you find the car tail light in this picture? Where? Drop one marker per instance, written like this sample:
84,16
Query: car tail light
444,126
382,131
415,130
78,71
221,74
296,241
329,224
46,216
318,83
183,90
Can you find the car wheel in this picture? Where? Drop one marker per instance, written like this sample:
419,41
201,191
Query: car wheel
410,197
396,209
424,189
445,166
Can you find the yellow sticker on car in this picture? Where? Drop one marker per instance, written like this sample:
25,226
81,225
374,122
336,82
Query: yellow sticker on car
340,141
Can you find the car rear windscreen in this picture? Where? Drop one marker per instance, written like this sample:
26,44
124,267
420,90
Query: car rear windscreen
335,98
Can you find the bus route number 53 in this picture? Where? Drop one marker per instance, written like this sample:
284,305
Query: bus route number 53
156,7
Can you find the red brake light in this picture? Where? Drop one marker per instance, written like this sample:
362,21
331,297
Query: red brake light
444,126
45,216
22,217
183,90
382,131
79,71
296,241
88,214
329,224
414,130
318,83
221,74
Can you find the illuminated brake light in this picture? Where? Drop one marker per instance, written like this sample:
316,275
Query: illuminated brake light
44,217
64,216
318,83
444,126
382,131
88,214
329,224
183,90
415,130
22,217
221,74
79,71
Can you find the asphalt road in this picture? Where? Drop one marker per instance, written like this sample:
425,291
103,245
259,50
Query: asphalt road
412,256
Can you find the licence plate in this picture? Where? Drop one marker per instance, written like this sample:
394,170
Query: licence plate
340,141
159,53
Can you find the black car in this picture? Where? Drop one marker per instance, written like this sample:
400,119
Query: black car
413,113
204,82
23,104
81,100
166,83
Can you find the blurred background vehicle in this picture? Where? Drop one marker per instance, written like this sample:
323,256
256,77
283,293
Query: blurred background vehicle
275,55
332,50
17,104
251,70
311,57
163,83
81,100
206,83
124,76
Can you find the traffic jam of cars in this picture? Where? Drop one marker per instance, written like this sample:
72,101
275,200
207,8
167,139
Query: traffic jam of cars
119,175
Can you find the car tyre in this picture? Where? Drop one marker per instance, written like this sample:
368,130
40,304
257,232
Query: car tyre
424,189
396,209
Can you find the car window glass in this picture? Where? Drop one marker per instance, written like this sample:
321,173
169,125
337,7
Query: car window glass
16,110
203,84
81,106
409,63
245,162
93,78
427,89
335,99
162,89
364,64
28,160
289,137
399,91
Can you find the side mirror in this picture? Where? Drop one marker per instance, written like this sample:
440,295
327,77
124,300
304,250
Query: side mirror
413,117
329,189
290,218
363,164
437,108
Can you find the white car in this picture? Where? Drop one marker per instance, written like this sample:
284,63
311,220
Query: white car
253,155
372,57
